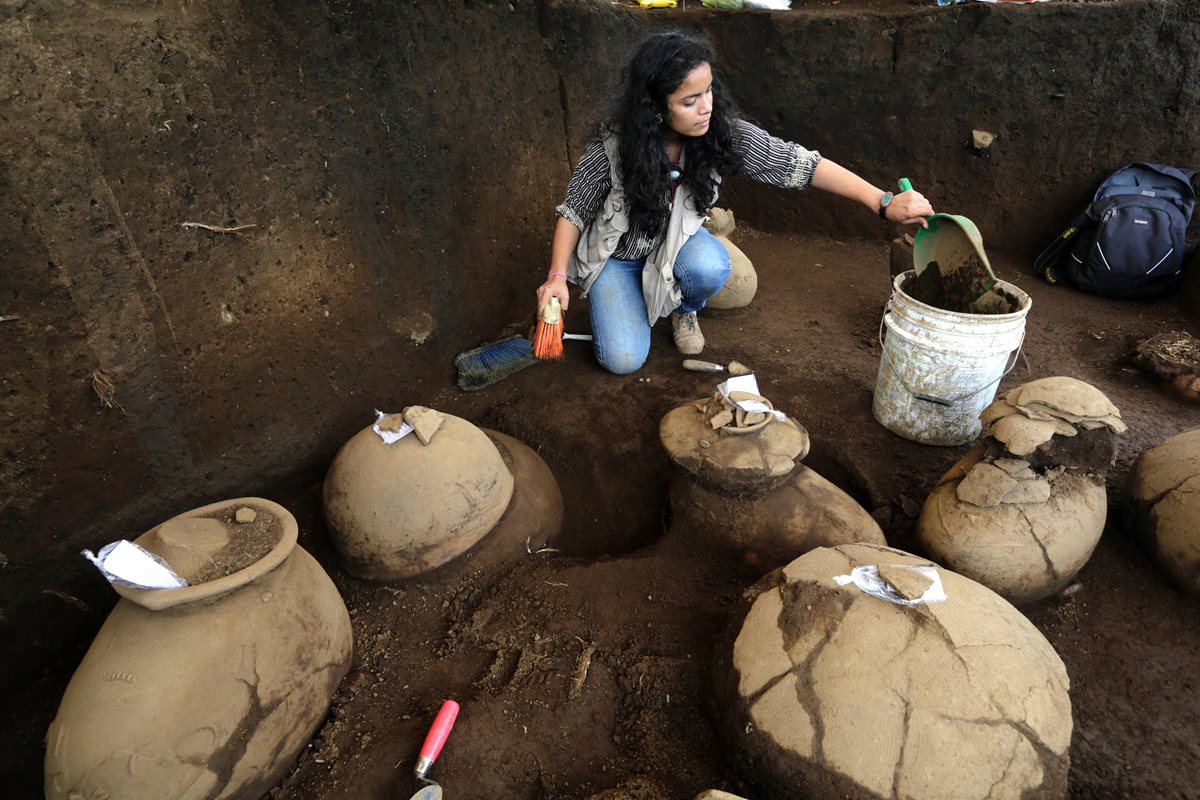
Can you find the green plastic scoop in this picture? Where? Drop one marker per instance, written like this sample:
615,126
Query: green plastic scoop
953,244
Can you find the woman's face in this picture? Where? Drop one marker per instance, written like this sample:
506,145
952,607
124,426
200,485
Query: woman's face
690,107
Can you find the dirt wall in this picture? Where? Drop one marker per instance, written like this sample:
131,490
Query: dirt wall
398,162
891,88
1071,91
394,160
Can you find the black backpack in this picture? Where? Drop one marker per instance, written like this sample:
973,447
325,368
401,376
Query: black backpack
1130,242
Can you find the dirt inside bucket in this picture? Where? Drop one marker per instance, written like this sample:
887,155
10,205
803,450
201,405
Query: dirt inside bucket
962,288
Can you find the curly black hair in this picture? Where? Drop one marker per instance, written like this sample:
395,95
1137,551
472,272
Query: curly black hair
659,66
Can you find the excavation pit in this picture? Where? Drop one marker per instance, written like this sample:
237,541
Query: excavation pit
400,168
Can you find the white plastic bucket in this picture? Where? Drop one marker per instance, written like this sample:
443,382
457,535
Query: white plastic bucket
939,369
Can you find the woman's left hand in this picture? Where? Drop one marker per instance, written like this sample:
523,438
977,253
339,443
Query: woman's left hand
909,208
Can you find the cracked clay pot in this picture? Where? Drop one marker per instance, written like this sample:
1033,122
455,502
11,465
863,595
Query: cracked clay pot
745,492
829,692
401,509
1027,539
1164,510
208,691
769,530
749,460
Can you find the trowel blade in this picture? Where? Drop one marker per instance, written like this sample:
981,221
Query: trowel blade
430,792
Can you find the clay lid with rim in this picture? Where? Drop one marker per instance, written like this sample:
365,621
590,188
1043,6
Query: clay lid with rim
747,462
196,532
1065,397
1057,398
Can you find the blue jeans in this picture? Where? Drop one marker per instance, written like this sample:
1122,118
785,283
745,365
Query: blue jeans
620,331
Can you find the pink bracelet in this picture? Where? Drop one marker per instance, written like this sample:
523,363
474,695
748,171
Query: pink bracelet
557,275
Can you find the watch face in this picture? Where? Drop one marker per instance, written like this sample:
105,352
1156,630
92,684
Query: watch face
887,198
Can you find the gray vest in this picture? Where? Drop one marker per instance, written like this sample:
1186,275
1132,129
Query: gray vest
599,241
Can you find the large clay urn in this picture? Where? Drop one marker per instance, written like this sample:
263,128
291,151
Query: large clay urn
209,691
534,517
834,690
402,508
1164,506
1023,535
741,487
1023,512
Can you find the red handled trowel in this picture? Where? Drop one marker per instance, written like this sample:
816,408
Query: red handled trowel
438,733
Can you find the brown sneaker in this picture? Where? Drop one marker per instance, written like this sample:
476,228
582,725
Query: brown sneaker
686,328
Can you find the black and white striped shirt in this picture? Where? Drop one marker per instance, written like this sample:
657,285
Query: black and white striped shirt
764,158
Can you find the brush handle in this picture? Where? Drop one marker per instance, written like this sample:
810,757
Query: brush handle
552,311
438,733
696,365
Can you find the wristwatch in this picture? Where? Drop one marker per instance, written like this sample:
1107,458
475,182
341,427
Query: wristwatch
884,202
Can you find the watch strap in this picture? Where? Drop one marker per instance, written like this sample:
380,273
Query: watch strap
884,202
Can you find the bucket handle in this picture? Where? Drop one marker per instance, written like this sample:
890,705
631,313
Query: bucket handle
939,400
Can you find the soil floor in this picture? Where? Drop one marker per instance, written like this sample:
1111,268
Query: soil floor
586,672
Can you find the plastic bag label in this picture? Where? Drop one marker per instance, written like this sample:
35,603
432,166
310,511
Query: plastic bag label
867,578
131,565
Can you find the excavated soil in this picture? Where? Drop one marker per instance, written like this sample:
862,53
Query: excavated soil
399,162
580,673
588,668
248,542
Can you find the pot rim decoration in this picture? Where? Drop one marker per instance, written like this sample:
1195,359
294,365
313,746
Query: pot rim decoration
159,599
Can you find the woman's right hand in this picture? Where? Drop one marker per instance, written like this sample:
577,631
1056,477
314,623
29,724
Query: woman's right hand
555,286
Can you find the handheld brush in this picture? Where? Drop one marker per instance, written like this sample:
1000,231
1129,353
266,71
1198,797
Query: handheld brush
548,338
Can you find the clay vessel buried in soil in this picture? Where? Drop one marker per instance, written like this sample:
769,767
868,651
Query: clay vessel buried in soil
208,691
770,530
1164,506
1025,550
741,285
752,462
826,692
534,517
401,509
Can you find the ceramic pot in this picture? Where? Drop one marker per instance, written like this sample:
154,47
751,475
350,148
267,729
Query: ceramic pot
829,693
209,691
1164,506
402,509
742,283
534,517
1022,549
769,530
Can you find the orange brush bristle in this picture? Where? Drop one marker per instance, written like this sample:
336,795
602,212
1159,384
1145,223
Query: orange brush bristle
547,339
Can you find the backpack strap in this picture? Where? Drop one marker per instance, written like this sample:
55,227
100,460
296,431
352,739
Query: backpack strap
1044,264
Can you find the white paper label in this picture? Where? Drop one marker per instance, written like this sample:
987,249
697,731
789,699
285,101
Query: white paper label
867,578
390,437
748,384
131,565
